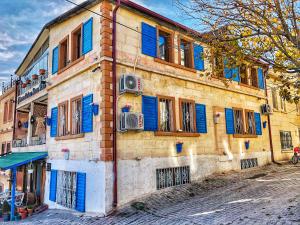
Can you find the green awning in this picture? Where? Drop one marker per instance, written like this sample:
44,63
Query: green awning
16,159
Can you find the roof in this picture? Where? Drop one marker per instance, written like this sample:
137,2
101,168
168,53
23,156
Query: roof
17,159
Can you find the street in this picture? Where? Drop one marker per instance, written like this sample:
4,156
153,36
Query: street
266,195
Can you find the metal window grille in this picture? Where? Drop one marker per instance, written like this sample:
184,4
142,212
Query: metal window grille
169,177
187,116
238,122
249,163
286,140
250,123
62,129
76,116
166,115
66,189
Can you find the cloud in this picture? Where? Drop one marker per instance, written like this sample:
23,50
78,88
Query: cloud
7,55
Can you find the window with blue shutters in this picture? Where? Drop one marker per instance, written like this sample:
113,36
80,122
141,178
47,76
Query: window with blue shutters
149,35
87,36
53,185
198,57
87,113
229,121
55,60
257,123
201,118
54,115
260,76
80,192
149,109
231,73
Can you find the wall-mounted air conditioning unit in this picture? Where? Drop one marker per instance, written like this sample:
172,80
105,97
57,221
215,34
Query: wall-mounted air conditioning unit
266,109
131,121
130,83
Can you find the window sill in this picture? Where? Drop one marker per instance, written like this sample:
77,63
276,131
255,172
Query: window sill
174,65
67,137
70,65
249,86
287,150
245,136
177,134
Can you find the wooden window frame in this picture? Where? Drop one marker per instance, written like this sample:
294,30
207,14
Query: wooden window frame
4,150
243,122
159,97
8,142
251,77
71,111
60,62
182,100
74,41
285,149
246,123
247,75
191,52
214,73
66,103
170,42
10,110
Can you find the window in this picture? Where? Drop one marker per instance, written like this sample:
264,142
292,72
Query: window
77,43
282,104
187,115
243,74
8,147
218,66
76,111
253,77
3,148
185,54
238,121
5,113
63,119
10,110
66,189
274,98
166,117
165,46
63,53
250,122
286,140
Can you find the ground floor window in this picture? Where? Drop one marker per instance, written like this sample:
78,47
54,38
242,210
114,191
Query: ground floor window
238,121
66,189
286,140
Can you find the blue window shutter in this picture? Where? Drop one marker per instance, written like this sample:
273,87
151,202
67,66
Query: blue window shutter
257,123
80,192
229,121
87,36
55,60
53,184
201,124
53,129
235,74
149,109
87,113
149,46
260,75
227,70
198,57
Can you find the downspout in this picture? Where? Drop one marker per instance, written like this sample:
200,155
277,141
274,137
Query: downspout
114,78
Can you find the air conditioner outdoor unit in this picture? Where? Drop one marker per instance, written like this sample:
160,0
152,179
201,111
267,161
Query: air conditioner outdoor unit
266,109
131,121
130,83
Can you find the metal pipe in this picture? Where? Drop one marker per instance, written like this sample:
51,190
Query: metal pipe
114,78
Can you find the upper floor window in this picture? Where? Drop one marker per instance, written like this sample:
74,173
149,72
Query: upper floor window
244,74
10,110
185,56
76,115
165,45
286,140
187,115
76,43
282,104
250,122
253,77
274,98
5,113
166,117
63,53
63,119
3,148
8,147
238,121
218,65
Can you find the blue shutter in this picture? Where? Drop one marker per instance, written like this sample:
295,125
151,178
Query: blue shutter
227,70
87,36
201,124
149,109
87,113
198,57
55,60
53,129
149,40
257,123
235,74
53,184
260,75
80,192
229,121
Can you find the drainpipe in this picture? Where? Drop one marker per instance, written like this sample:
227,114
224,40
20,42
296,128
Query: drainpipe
114,76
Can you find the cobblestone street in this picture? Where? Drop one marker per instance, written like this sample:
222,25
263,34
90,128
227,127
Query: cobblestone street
268,195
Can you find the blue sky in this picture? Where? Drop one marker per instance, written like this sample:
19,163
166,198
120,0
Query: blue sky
22,20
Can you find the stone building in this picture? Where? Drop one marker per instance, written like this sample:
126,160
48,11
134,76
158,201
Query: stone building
139,91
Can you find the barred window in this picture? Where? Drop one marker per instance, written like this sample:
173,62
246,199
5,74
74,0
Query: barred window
76,114
187,115
166,114
66,189
250,122
63,119
286,140
238,121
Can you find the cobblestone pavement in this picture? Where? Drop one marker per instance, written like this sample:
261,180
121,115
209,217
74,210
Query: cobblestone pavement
267,195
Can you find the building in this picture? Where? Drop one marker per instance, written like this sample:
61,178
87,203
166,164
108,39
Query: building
140,91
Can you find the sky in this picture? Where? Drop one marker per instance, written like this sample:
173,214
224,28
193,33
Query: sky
22,20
